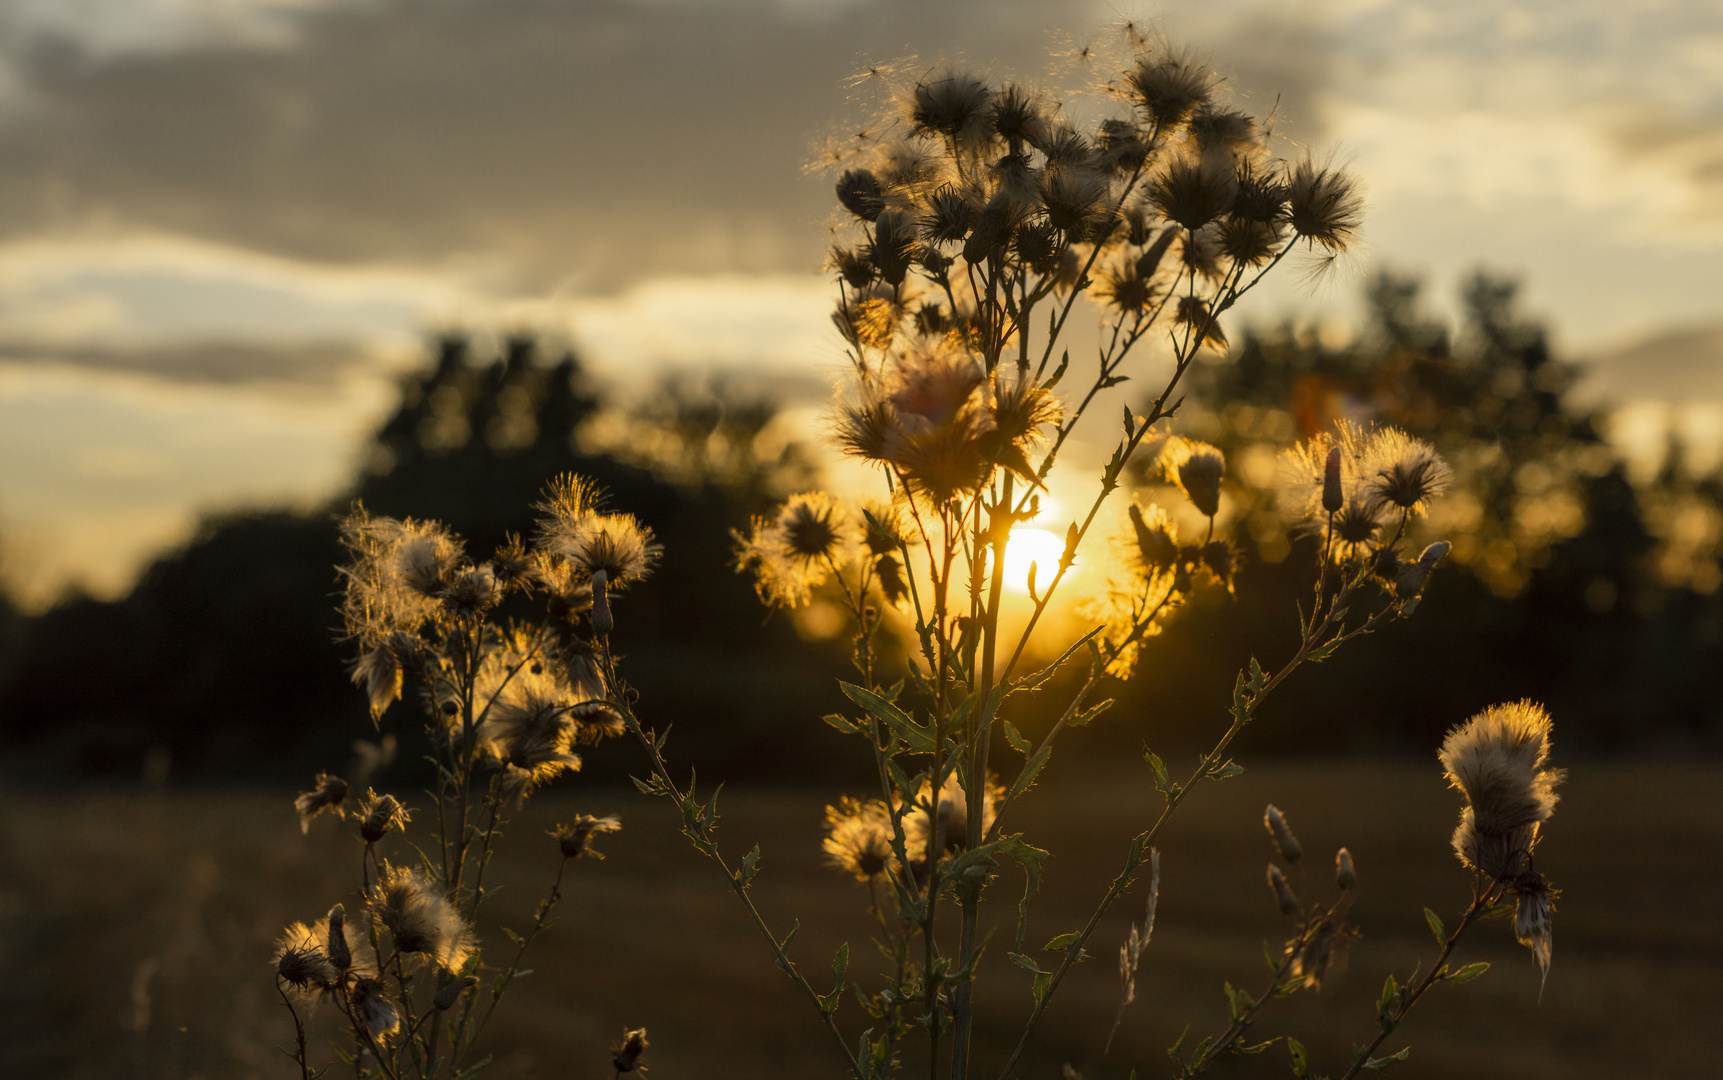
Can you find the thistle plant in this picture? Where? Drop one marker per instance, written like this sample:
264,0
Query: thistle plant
978,215
501,653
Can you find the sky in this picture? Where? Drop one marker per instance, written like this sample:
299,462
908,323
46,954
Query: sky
226,225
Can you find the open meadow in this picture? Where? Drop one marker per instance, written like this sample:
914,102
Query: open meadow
137,929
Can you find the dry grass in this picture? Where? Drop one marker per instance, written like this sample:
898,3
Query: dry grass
137,931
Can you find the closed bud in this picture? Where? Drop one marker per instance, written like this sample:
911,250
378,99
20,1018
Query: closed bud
447,996
1200,474
340,956
602,621
1288,845
1282,891
1345,874
1333,498
1413,577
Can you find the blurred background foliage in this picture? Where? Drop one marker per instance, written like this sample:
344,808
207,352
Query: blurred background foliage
1571,581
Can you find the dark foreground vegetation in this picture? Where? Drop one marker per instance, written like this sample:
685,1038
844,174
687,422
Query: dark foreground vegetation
1578,586
137,927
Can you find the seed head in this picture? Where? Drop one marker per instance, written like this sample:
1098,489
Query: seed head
1194,191
953,105
301,965
1157,544
948,216
575,840
1534,903
328,794
625,1056
1496,760
859,193
1404,472
419,917
1286,843
1017,115
373,1010
893,247
472,591
812,525
1323,205
858,837
379,815
1168,87
378,671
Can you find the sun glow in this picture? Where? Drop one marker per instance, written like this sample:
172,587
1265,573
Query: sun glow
1031,546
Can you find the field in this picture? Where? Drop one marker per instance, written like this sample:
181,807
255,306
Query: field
137,926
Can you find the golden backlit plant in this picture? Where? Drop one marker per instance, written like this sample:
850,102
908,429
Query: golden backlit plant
979,214
509,702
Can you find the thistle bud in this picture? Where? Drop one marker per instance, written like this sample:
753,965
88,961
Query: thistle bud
447,996
1345,874
1333,498
602,621
340,956
1282,891
1413,577
1284,841
1199,474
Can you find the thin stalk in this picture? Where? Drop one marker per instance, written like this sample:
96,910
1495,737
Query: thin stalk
1482,902
619,701
298,1032
1206,766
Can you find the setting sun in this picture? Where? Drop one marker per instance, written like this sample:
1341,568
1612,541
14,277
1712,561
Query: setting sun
1031,546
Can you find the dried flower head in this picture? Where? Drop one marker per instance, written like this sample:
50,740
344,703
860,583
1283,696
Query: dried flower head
1194,191
950,824
1157,539
321,958
379,673
424,556
1168,87
419,917
301,964
373,1010
1323,205
625,1055
379,815
859,193
1534,903
953,105
1496,760
812,526
328,794
472,590
1404,472
575,840
858,837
